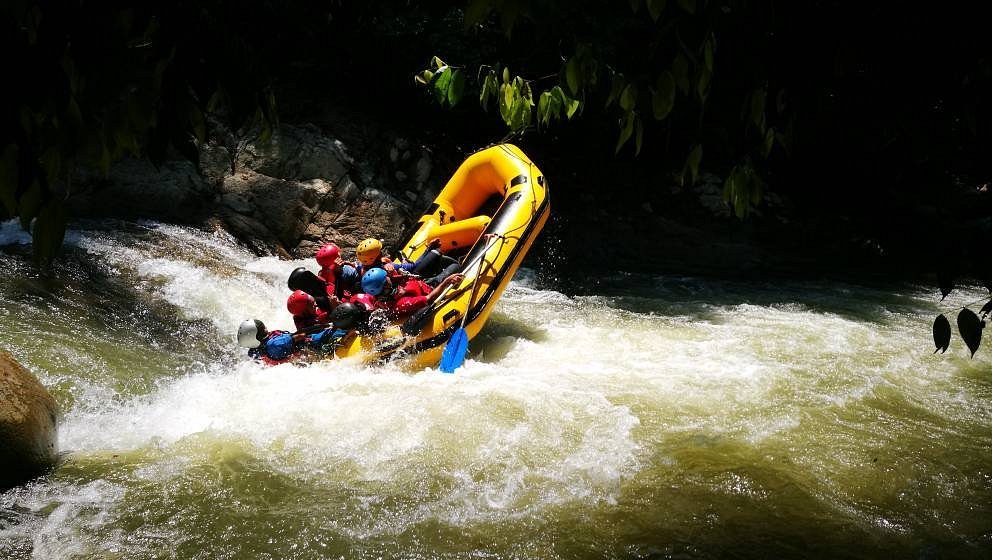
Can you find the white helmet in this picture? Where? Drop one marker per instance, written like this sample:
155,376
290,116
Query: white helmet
251,333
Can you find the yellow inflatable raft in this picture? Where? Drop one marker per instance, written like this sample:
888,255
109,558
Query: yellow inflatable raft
487,216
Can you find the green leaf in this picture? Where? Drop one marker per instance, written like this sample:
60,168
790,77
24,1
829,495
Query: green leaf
635,5
571,106
568,104
456,88
30,204
506,75
544,108
688,5
556,102
550,105
506,98
730,185
489,89
9,178
639,136
626,129
663,97
628,99
103,164
655,7
265,135
615,89
423,78
702,86
692,162
217,99
766,148
573,76
740,206
520,108
437,63
680,69
442,81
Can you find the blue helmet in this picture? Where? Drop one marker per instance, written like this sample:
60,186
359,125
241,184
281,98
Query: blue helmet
374,281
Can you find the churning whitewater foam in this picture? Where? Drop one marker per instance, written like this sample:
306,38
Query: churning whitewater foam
566,406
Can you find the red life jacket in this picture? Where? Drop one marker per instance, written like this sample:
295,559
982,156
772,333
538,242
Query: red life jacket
412,297
309,320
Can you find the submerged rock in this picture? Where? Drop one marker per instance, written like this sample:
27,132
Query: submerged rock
28,424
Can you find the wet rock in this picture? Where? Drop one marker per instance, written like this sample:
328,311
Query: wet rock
28,424
350,215
287,196
422,170
135,188
284,207
710,195
298,153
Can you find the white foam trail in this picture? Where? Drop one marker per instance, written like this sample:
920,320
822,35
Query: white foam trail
564,402
206,275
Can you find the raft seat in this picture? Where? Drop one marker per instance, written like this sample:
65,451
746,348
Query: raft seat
459,234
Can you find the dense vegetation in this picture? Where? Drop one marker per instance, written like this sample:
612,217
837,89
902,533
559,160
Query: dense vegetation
874,119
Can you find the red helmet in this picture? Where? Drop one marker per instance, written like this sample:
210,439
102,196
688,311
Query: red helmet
365,300
301,303
327,254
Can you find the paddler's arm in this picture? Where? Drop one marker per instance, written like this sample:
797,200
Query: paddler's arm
436,292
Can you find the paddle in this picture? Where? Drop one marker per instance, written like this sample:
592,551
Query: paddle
454,352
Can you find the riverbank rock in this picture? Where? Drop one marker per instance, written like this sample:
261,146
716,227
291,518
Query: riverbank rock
135,189
286,196
300,190
28,424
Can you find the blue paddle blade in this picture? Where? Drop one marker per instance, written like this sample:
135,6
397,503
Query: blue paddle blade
454,352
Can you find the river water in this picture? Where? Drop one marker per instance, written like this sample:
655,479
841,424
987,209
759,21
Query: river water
661,417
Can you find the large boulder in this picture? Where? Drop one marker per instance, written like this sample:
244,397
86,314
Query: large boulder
28,424
299,191
296,217
287,196
135,188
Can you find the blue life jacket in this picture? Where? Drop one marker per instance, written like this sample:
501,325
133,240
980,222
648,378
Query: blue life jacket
324,340
279,346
